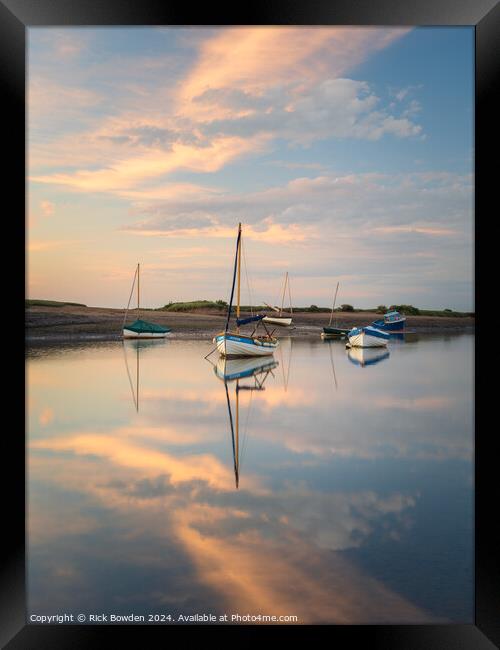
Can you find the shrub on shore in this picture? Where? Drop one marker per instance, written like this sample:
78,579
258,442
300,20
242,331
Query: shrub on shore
194,304
408,310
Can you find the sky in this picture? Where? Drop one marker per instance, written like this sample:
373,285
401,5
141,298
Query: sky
347,153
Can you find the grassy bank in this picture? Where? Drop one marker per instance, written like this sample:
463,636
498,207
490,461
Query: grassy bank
221,306
51,303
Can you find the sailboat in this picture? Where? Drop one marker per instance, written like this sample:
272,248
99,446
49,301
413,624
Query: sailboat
367,337
232,343
141,328
234,370
281,320
330,332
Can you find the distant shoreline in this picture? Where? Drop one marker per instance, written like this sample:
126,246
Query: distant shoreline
50,325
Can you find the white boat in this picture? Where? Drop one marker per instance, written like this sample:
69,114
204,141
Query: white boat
238,345
280,320
334,331
141,329
277,320
367,337
233,343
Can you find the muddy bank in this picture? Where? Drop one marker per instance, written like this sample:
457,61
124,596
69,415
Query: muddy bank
71,323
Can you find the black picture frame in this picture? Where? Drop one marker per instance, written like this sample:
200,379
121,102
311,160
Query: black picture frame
18,15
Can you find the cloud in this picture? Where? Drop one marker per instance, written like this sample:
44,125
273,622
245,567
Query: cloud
231,103
334,108
379,205
251,59
35,246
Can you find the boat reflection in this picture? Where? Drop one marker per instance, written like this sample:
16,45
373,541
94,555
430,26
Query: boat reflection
238,370
132,348
330,344
367,356
285,354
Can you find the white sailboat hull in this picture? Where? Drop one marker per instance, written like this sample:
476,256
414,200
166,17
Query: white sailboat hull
282,322
367,337
236,345
128,334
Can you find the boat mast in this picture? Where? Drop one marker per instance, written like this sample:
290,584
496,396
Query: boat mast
138,286
290,297
239,282
237,459
333,307
234,277
137,378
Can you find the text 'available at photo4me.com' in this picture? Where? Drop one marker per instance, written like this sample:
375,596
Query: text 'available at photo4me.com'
59,619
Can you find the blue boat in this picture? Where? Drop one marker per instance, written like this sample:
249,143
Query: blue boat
393,322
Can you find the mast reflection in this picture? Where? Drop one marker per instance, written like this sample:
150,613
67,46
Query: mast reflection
254,372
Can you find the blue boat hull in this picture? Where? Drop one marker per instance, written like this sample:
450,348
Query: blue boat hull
396,326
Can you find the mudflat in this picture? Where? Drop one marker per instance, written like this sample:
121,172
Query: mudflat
66,323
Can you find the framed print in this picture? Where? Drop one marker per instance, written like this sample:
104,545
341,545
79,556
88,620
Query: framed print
254,248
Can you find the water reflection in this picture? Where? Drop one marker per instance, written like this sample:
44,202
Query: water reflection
344,515
367,356
133,347
235,370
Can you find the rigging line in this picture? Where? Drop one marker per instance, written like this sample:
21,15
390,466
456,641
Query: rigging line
130,298
290,295
234,278
283,296
250,297
128,373
211,352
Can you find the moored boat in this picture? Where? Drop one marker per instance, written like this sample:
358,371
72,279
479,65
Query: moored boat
280,320
277,320
367,337
233,343
331,332
141,329
393,321
334,332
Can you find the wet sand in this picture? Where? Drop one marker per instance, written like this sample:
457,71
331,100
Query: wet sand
71,323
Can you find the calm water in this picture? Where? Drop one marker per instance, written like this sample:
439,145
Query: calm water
355,482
